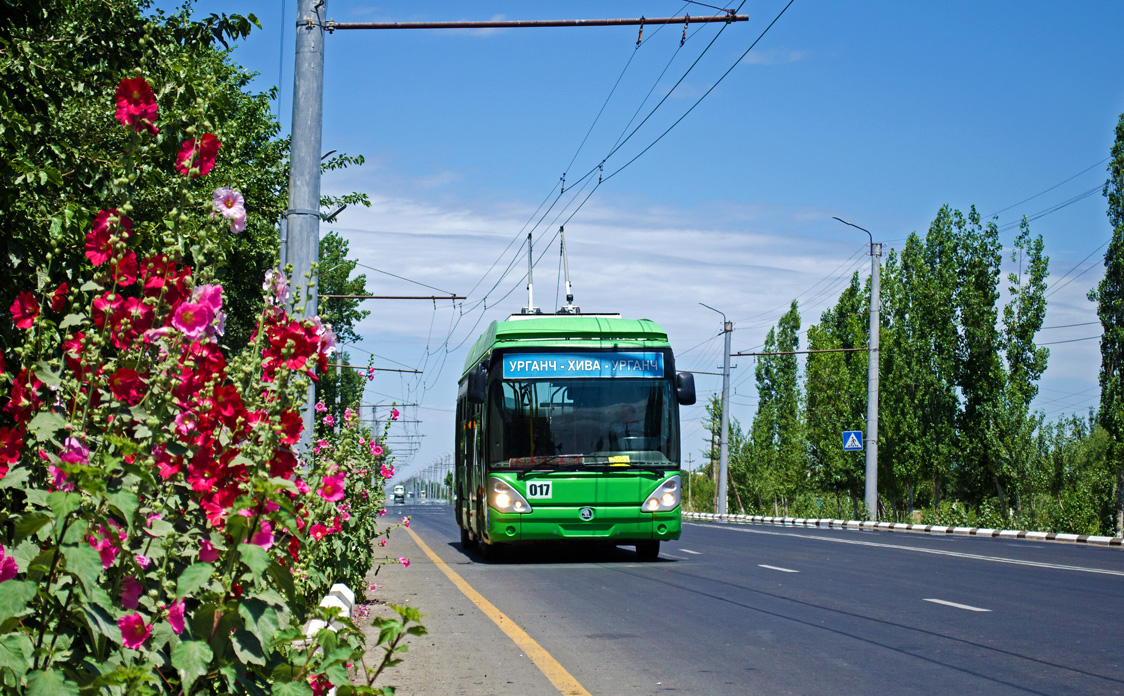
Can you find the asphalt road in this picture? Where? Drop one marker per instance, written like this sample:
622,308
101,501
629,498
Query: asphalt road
744,609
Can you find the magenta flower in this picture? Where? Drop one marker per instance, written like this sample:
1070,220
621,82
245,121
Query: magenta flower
394,414
320,407
332,488
134,631
197,156
191,319
406,521
277,285
131,592
229,203
382,542
318,531
264,538
74,452
376,449
142,560
8,567
302,487
58,479
329,420
404,561
207,552
175,616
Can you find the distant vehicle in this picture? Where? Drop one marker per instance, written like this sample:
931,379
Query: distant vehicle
568,428
421,494
399,494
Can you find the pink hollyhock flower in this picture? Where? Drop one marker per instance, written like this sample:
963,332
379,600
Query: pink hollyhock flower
318,531
74,452
370,373
376,449
382,512
320,407
192,319
277,285
229,203
329,420
382,542
264,538
238,224
387,472
332,489
406,521
8,567
302,487
175,616
197,156
24,310
142,560
58,479
131,592
207,552
134,631
136,104
404,561
394,414
373,588
348,414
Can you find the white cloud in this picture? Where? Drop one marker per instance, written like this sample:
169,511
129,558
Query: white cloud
775,56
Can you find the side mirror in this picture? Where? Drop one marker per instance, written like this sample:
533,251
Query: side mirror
685,388
477,379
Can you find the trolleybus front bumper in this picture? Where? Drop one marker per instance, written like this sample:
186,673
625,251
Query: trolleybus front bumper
617,524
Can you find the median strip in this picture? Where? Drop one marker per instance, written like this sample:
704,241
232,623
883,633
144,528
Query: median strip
551,668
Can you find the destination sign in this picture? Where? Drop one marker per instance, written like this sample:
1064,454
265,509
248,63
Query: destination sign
569,365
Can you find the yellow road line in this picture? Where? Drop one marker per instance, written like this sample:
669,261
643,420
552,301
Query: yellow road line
551,669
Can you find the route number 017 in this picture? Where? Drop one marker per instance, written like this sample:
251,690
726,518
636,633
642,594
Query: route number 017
538,490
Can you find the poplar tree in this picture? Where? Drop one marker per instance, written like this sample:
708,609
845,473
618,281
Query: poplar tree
1109,296
791,463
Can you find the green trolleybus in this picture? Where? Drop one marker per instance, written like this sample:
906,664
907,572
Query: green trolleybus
568,429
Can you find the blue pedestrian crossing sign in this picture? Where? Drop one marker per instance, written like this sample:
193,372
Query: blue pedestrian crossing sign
852,440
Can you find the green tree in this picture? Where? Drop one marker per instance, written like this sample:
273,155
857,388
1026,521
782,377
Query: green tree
1109,296
340,388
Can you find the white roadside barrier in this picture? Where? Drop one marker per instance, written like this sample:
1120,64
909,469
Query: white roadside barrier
914,528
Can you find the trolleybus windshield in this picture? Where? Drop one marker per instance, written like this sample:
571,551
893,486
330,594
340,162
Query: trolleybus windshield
582,423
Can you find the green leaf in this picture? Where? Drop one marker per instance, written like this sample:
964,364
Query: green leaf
91,286
50,684
247,647
191,658
261,619
159,528
293,688
72,320
283,579
46,375
62,503
15,478
14,598
45,424
255,557
15,653
126,503
30,523
83,562
102,621
194,577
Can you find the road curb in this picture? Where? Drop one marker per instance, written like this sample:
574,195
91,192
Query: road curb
901,527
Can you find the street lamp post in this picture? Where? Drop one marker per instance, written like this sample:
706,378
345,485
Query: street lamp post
872,375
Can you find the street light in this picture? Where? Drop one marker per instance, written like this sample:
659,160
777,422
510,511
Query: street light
872,376
724,438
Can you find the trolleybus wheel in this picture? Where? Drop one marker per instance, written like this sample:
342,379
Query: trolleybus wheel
648,550
467,542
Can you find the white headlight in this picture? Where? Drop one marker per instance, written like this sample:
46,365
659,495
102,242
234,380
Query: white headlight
665,497
503,498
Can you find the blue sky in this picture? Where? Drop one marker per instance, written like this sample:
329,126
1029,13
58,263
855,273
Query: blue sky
877,112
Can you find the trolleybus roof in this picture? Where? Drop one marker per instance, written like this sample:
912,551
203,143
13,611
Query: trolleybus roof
566,331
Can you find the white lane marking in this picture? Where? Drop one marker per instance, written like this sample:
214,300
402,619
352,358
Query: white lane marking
693,553
783,570
966,607
668,555
936,552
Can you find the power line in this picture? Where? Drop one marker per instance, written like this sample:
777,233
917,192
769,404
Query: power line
1050,189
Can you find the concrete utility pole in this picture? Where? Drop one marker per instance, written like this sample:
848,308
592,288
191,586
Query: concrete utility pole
302,228
872,375
724,441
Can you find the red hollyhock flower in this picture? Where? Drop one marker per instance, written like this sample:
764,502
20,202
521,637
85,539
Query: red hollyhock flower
131,319
291,426
127,386
283,464
136,104
99,240
134,631
11,441
24,397
104,306
197,156
159,275
24,310
58,298
125,269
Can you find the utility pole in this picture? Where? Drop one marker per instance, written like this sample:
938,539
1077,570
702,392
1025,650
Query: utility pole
302,228
872,375
724,441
